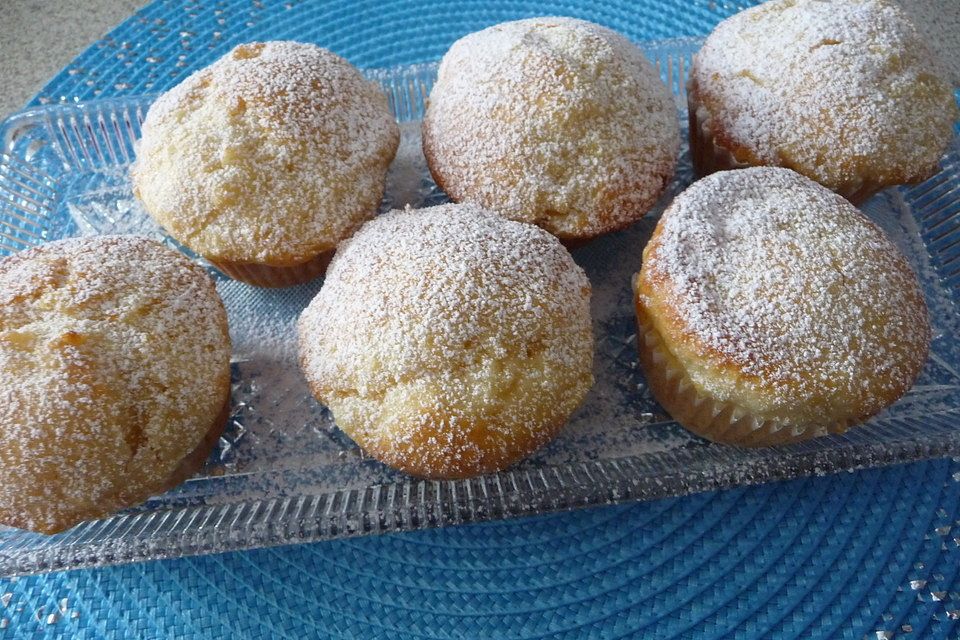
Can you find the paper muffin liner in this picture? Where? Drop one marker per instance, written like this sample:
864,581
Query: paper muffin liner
710,418
705,153
262,275
709,156
862,191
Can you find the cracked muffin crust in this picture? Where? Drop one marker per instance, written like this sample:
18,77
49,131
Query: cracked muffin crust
449,341
265,160
553,121
845,92
770,310
114,377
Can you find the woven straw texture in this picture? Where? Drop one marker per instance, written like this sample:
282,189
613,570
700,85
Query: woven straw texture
866,555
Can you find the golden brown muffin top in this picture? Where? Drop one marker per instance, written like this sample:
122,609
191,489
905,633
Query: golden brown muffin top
452,297
767,273
114,363
434,280
554,121
270,155
839,90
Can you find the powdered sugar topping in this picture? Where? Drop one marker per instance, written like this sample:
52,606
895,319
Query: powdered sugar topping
939,21
554,121
114,355
272,154
840,90
450,313
412,287
788,281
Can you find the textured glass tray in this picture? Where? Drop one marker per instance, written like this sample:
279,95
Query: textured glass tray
283,473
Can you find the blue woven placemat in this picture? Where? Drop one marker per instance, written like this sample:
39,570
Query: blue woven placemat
870,555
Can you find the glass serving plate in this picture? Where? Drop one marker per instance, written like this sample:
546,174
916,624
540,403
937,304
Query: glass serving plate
283,473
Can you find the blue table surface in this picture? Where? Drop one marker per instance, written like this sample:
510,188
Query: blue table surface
859,555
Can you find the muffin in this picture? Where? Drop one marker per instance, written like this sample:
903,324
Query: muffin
770,311
844,92
449,342
552,121
114,377
265,160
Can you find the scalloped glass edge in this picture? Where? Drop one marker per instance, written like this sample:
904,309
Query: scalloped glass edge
259,519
